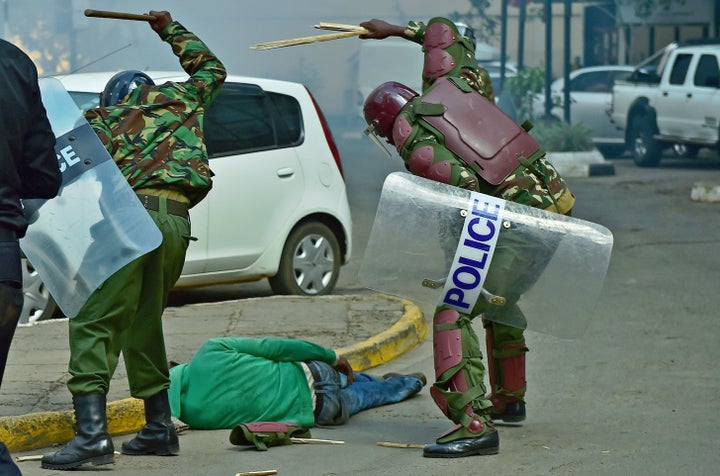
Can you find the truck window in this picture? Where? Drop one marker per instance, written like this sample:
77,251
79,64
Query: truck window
680,69
707,73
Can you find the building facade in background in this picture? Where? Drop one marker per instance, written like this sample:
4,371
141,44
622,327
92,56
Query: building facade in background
60,39
607,31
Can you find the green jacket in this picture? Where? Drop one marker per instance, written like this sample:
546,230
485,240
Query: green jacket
155,135
241,380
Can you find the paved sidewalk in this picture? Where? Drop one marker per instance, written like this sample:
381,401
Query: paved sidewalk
35,405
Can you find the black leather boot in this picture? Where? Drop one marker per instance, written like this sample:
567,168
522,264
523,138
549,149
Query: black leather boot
158,436
514,412
92,442
485,444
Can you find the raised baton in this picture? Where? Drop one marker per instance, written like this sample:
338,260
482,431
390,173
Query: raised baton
119,15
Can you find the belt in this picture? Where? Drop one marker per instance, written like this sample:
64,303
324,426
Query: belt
152,202
8,235
318,395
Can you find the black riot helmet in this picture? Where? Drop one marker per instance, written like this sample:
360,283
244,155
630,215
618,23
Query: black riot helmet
122,84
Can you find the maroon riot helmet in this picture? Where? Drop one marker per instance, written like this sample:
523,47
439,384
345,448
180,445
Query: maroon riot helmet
383,105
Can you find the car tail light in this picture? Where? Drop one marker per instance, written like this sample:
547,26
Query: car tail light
328,134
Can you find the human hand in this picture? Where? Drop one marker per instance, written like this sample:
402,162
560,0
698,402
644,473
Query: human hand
343,366
162,19
379,29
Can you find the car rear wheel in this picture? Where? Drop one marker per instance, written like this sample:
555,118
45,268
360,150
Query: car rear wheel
38,304
310,262
646,151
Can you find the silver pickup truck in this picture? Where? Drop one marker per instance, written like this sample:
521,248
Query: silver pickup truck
672,99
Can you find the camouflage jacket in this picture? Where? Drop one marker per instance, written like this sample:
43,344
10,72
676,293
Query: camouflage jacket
478,78
155,135
539,186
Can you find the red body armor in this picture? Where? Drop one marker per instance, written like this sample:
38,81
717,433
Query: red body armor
479,132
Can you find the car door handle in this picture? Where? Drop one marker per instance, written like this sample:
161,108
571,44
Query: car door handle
689,95
285,172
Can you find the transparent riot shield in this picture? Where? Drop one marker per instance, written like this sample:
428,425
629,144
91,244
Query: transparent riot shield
96,224
509,263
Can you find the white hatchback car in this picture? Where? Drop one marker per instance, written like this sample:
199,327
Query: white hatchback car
278,208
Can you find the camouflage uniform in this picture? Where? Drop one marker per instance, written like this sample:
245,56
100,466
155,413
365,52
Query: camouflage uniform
155,136
536,184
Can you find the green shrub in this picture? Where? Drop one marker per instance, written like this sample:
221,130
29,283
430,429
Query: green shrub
523,88
553,135
559,136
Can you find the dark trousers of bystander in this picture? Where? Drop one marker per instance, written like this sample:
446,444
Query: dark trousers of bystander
11,301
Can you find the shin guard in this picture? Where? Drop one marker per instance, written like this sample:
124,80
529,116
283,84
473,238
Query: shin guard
506,367
459,390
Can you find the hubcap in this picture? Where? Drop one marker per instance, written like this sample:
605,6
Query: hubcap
640,147
36,295
313,264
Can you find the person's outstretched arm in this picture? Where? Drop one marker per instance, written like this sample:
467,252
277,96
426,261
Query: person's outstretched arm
206,71
379,30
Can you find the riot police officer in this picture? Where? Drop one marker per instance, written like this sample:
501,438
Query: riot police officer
453,133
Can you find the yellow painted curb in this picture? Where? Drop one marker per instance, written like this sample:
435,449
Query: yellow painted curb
40,430
402,336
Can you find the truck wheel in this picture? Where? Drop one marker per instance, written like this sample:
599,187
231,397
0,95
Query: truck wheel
646,151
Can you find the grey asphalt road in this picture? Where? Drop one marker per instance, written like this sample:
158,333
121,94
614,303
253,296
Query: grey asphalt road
638,394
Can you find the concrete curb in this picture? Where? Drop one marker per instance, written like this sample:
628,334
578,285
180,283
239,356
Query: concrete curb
581,164
402,336
43,429
705,192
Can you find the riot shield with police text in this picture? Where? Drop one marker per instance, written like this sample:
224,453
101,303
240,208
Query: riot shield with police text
483,256
96,224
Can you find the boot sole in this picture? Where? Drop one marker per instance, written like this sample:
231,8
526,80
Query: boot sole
95,461
478,452
169,451
512,420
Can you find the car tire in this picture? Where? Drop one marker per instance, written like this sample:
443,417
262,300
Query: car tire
310,262
38,304
646,151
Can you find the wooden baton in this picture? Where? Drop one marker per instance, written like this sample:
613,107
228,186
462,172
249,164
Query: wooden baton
316,440
119,15
399,445
305,40
340,27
